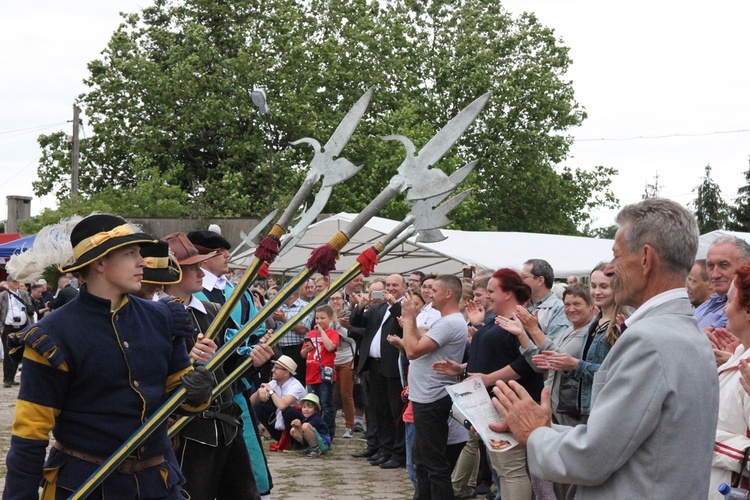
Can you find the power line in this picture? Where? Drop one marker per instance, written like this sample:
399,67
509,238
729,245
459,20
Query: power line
667,136
19,172
32,128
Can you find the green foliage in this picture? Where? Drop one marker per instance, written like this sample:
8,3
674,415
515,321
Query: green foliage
175,130
740,211
709,207
148,194
652,190
607,232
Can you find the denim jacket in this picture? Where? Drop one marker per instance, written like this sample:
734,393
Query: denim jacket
590,365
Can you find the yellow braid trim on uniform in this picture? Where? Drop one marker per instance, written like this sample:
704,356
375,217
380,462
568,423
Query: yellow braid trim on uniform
157,262
34,356
94,241
277,231
34,421
338,241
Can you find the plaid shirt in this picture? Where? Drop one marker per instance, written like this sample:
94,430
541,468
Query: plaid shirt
293,338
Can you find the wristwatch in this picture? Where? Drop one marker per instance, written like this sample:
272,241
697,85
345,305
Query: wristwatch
270,392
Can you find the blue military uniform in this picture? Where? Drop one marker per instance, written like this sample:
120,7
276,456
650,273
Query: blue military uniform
92,376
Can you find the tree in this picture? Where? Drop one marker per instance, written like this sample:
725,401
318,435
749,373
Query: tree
740,211
607,232
171,96
652,190
709,207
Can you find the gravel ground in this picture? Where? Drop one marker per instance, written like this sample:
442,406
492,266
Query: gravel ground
336,475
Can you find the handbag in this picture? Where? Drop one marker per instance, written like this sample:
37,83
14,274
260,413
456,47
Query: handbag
568,396
326,372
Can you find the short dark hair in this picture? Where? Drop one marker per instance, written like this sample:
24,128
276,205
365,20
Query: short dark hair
418,273
702,264
431,276
452,283
540,267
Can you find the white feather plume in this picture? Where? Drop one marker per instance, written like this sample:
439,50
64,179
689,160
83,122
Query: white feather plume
51,247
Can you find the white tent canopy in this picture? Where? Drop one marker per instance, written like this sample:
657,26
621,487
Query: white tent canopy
568,255
705,240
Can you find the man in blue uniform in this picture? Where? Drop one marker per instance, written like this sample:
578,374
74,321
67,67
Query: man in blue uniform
95,370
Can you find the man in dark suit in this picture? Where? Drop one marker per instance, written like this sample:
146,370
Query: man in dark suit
378,360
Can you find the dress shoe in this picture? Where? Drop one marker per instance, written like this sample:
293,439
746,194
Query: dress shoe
392,464
366,453
375,457
381,461
7,384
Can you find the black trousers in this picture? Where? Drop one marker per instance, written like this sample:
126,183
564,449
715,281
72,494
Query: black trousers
266,413
220,472
430,454
385,398
371,433
9,367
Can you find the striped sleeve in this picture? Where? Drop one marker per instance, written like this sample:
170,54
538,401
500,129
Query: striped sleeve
43,388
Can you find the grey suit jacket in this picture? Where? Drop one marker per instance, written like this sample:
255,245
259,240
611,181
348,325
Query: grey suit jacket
653,416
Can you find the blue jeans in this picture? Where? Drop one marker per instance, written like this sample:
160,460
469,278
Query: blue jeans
324,391
409,426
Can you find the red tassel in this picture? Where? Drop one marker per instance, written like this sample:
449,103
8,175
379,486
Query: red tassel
263,271
368,259
268,249
323,259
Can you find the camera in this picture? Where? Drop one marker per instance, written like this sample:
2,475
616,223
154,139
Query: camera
16,319
468,272
378,294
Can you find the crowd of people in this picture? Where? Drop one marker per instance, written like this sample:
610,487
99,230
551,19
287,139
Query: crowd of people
631,382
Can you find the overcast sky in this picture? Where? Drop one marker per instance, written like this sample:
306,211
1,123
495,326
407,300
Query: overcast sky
673,74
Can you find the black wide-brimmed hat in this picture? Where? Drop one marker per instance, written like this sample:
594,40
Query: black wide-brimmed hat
161,267
97,235
208,241
184,252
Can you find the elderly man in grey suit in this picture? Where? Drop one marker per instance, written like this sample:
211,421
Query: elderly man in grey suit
655,398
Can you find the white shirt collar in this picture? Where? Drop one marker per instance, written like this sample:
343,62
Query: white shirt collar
196,304
211,281
655,301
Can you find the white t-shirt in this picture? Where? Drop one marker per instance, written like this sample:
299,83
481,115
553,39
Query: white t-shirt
291,386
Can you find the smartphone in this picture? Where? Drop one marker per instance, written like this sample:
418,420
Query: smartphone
378,294
468,272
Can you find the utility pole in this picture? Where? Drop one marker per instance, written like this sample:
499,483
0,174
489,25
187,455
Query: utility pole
75,155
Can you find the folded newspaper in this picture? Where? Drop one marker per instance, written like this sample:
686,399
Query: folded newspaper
472,403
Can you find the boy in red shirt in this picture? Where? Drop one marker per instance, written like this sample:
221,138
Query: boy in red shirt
319,347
